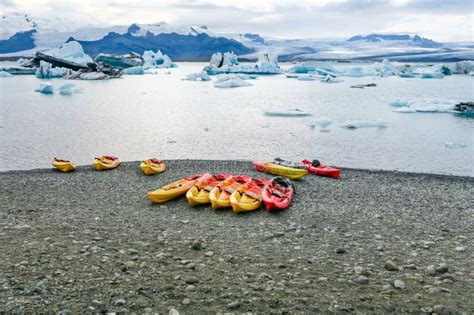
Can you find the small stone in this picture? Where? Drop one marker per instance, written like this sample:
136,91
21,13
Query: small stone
440,309
191,280
190,288
197,245
399,284
65,312
186,301
231,259
442,268
234,305
362,280
340,250
460,248
120,302
209,254
391,266
133,252
312,259
323,279
173,311
430,270
387,287
426,309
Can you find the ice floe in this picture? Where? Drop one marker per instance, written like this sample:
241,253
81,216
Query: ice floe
354,124
228,63
198,76
92,76
314,67
71,51
134,70
45,88
454,145
157,60
309,77
230,81
47,71
463,67
4,74
66,89
423,105
287,113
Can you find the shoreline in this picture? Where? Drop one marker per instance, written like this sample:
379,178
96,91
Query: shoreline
91,241
89,167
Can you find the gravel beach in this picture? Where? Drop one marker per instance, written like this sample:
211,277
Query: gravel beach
371,242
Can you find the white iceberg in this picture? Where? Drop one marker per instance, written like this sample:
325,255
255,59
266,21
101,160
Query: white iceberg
47,71
157,60
287,113
330,79
423,105
230,81
4,74
198,76
66,89
359,72
45,88
354,124
463,67
134,70
383,69
314,67
228,63
93,76
71,51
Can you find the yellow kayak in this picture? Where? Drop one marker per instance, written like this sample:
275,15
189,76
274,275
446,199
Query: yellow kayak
248,196
106,162
281,170
152,166
176,189
220,195
64,166
199,193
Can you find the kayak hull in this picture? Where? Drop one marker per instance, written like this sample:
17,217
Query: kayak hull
199,193
278,194
105,163
280,170
64,166
322,170
151,168
248,197
220,195
176,189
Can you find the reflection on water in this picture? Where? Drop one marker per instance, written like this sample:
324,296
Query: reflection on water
137,117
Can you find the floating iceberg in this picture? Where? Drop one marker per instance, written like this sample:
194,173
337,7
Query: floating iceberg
330,79
435,75
198,76
45,88
423,105
314,67
71,51
230,81
323,122
4,74
383,69
228,63
92,76
359,72
134,70
47,71
354,124
287,113
120,61
66,89
463,67
309,77
464,108
157,60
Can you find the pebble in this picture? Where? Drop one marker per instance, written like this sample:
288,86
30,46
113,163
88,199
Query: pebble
323,279
430,270
312,259
190,288
391,266
209,254
340,250
442,268
440,309
426,309
362,280
387,287
133,252
460,248
197,245
186,301
120,302
173,311
234,305
399,284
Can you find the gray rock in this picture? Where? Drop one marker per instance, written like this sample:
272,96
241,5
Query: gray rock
197,245
440,309
190,288
120,302
133,252
442,268
173,312
186,301
209,254
234,305
460,248
362,280
430,270
391,266
427,310
312,259
191,280
399,284
340,250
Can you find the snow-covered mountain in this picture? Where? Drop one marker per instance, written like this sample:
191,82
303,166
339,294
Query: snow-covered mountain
23,35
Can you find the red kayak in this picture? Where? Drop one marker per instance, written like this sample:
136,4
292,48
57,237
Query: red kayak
278,194
317,168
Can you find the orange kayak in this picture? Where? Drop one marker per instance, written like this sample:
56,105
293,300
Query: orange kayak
199,193
63,165
220,195
106,162
248,196
152,166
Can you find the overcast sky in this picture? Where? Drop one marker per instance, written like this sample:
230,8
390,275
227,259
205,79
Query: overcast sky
442,20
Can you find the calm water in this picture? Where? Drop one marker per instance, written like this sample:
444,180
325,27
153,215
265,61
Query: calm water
137,117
